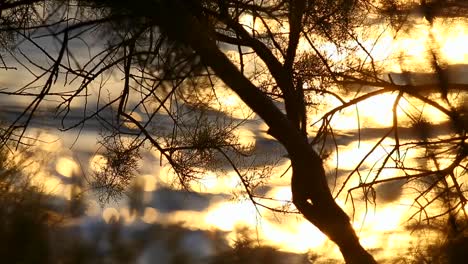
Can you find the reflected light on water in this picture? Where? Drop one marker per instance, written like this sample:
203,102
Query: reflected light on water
230,103
150,215
385,218
246,138
97,163
292,234
351,154
149,182
48,183
412,47
370,241
229,100
137,117
377,111
127,216
109,214
49,142
453,42
302,238
282,194
66,166
213,183
226,216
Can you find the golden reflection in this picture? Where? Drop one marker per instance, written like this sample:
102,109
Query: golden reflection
226,216
127,216
135,116
301,235
246,138
350,155
377,111
50,143
212,183
110,214
166,176
250,23
410,109
209,182
385,218
370,241
409,50
283,193
189,219
66,166
97,163
150,215
48,183
452,39
230,100
149,182
292,235
230,103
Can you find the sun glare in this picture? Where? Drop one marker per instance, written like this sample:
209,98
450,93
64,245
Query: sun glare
66,166
210,182
385,218
226,216
350,155
453,42
293,236
282,194
377,111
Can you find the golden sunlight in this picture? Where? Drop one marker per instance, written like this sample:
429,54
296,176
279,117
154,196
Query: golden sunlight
127,216
149,182
246,138
350,155
137,117
377,111
66,166
226,216
385,218
150,215
302,238
110,214
50,143
452,39
250,23
97,163
228,102
282,193
213,183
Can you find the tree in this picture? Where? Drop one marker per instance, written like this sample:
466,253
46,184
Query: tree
172,56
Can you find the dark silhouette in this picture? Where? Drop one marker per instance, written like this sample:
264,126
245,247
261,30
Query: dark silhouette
172,56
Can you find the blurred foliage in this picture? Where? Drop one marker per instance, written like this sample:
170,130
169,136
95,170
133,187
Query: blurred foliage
449,245
31,231
117,167
34,230
24,217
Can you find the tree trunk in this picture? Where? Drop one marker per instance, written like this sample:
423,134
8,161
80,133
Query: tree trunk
311,193
312,197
